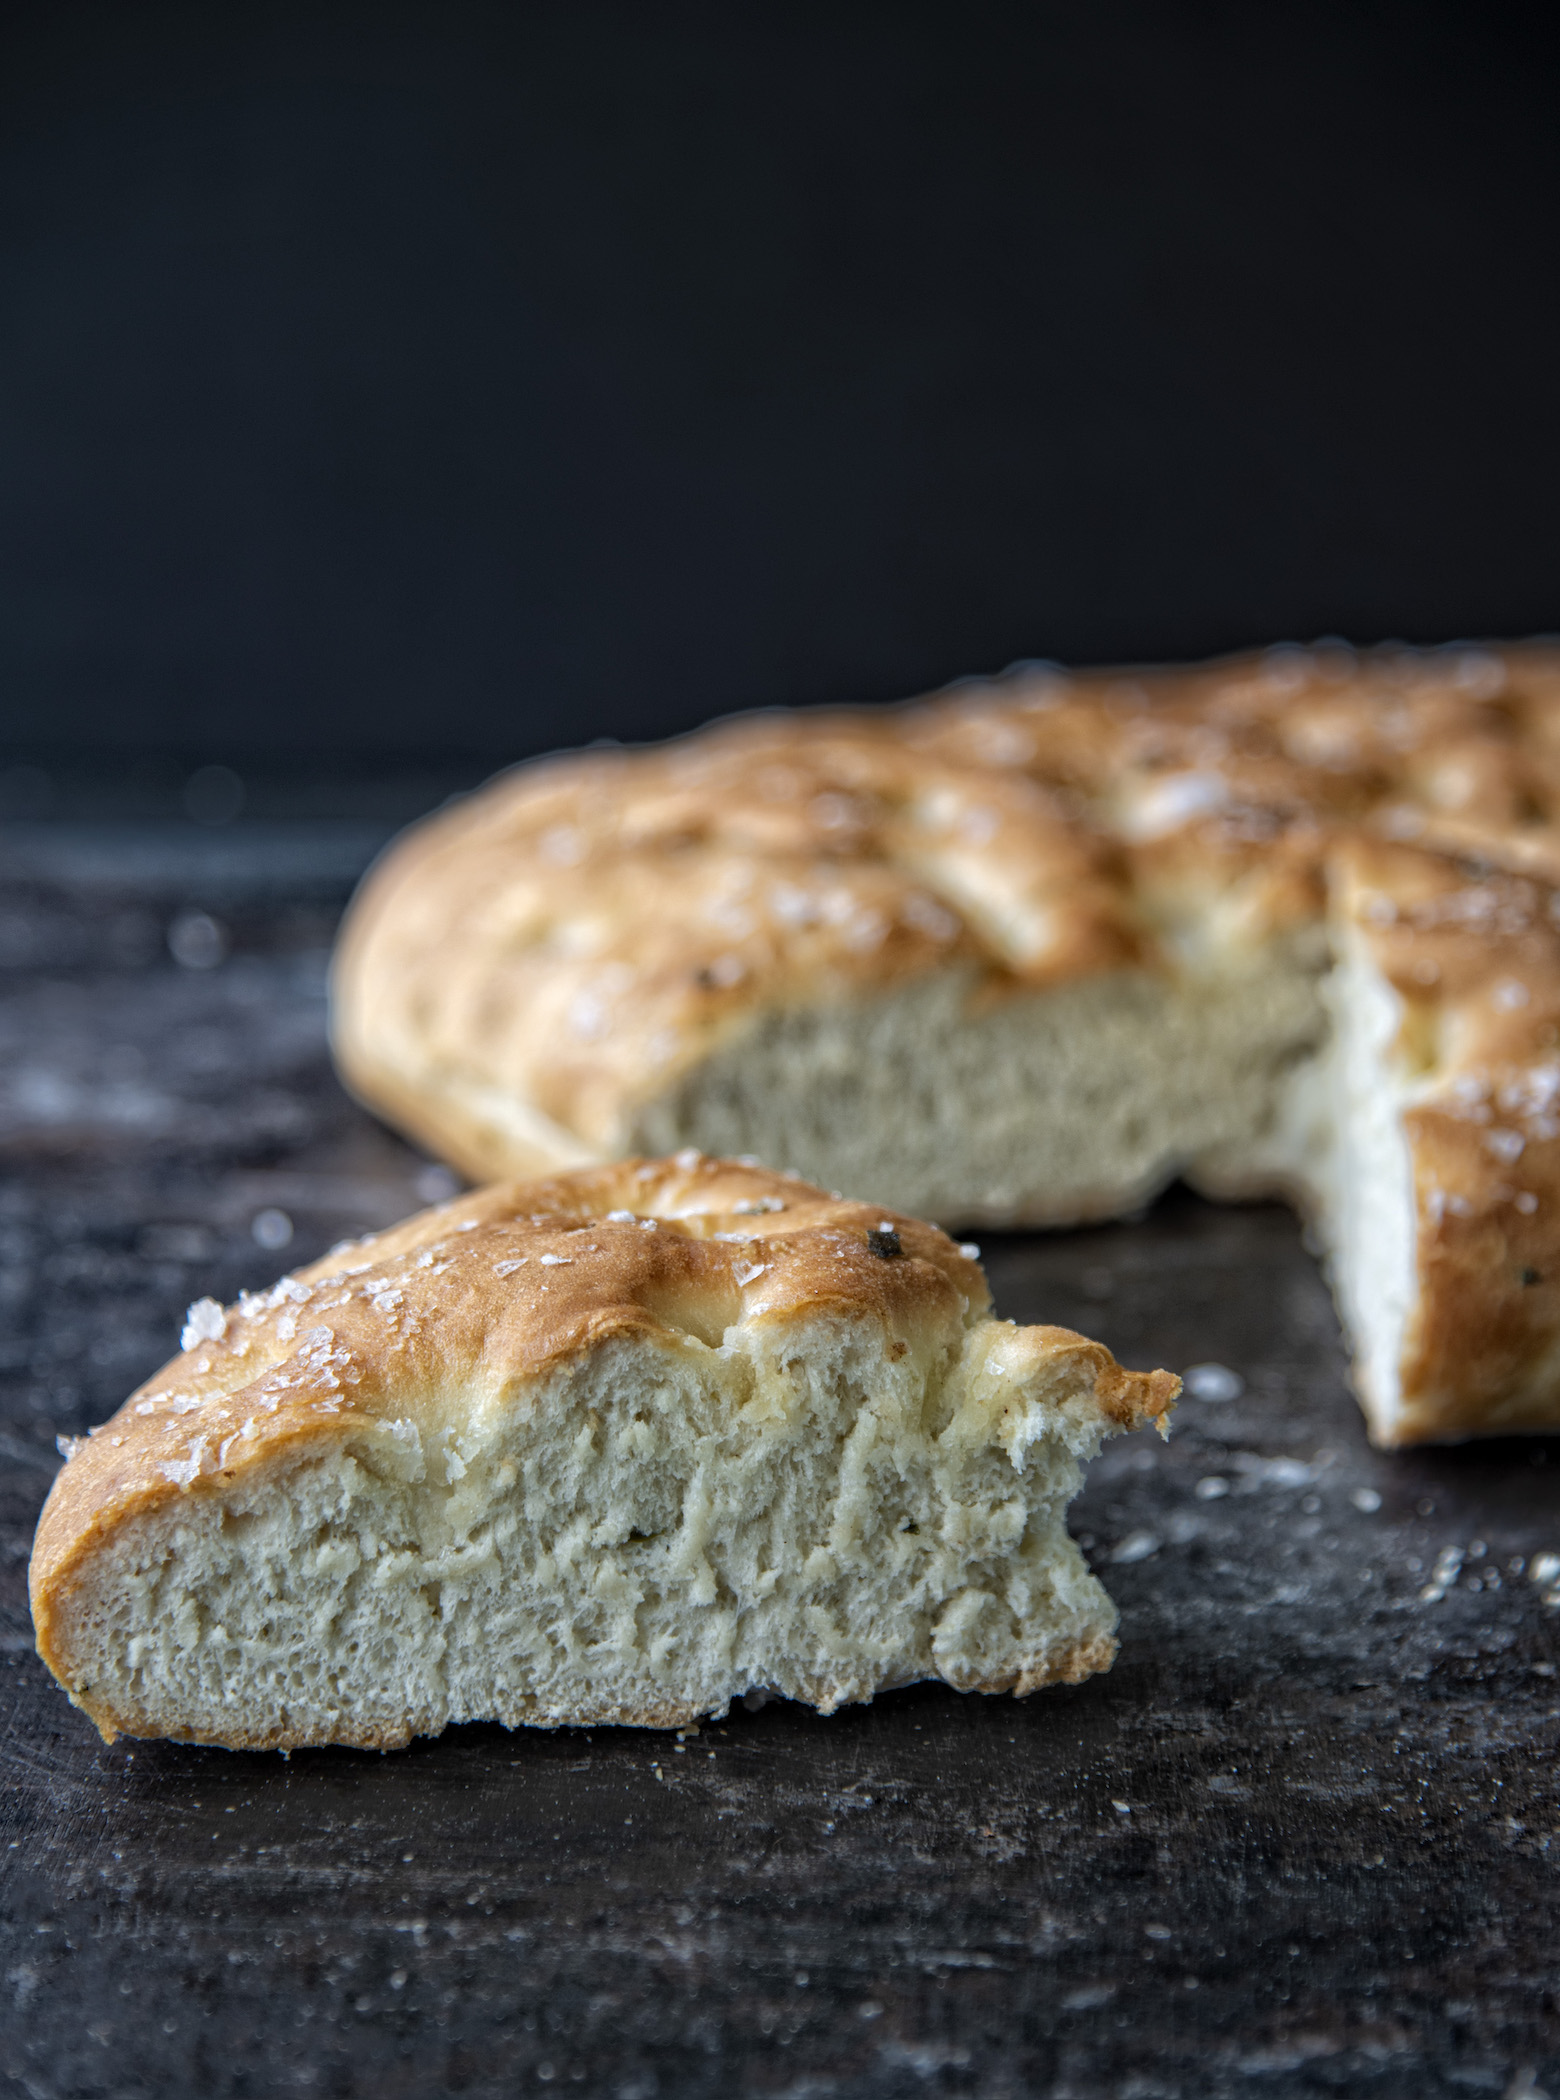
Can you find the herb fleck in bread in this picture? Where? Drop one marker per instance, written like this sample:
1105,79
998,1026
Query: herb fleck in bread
615,1447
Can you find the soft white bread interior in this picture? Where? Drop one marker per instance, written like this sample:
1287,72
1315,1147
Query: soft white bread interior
1427,1141
1025,953
1043,1107
618,1447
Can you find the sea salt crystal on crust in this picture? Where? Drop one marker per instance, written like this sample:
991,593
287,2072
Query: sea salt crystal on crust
1174,801
184,1471
793,906
204,1322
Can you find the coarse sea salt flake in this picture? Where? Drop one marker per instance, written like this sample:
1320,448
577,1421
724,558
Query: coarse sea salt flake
204,1322
1175,800
508,1268
747,1272
555,1261
183,1471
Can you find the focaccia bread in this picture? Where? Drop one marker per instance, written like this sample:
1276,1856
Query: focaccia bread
1024,953
616,1447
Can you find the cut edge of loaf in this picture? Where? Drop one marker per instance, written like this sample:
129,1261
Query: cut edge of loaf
587,1561
616,1446
924,1097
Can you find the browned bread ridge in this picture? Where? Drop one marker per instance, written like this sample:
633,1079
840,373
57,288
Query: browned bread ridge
1025,952
618,1446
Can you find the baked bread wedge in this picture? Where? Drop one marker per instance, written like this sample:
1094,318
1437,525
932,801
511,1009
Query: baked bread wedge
620,1446
1026,952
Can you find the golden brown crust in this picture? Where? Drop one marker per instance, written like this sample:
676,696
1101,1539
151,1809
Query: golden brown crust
657,1247
523,972
480,1299
1474,957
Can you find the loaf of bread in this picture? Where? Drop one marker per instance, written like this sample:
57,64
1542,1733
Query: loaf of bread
1024,953
616,1447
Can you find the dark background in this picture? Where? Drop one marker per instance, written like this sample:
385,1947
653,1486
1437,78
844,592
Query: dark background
391,386
388,392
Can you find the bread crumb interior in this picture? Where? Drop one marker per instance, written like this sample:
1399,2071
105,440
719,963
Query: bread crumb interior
643,1537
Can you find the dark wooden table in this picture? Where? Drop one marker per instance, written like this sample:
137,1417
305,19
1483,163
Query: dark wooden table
1303,1839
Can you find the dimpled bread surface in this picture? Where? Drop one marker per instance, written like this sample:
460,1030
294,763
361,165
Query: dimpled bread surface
1027,951
618,1446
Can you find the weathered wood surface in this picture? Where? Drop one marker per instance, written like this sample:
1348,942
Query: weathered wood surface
1303,1839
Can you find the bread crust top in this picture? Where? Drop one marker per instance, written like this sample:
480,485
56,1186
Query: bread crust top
471,1305
520,973
1472,953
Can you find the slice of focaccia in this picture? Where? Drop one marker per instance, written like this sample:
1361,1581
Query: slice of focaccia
619,1446
1028,951
1435,1171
